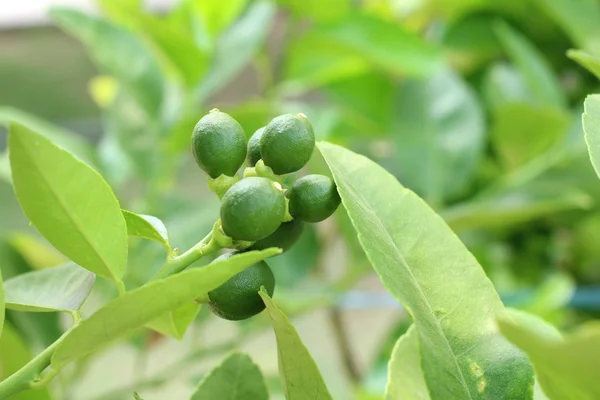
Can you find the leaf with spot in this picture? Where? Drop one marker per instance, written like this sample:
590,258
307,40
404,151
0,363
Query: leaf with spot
298,372
423,264
236,378
567,369
69,203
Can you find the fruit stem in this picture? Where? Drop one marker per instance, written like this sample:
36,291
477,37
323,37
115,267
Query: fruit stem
177,264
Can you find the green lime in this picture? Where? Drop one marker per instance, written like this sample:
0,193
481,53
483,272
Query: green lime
313,198
287,143
254,147
284,237
219,144
238,298
252,209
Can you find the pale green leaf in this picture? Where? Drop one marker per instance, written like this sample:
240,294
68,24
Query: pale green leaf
236,378
439,134
588,61
69,203
405,375
566,369
14,354
516,205
236,47
138,307
578,18
298,372
63,288
147,227
175,323
35,251
533,323
591,127
118,52
218,15
70,141
316,10
503,84
423,264
383,44
539,77
522,132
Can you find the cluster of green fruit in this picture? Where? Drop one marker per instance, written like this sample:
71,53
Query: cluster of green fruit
257,209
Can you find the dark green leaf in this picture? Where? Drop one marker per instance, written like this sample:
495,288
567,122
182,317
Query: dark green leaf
405,375
118,52
147,227
591,127
430,272
236,47
124,315
521,132
236,378
578,18
299,374
63,288
566,369
439,133
69,203
538,74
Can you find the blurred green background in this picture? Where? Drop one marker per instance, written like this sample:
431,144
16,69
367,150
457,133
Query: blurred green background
473,104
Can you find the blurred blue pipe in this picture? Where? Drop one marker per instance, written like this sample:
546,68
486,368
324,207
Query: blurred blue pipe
584,298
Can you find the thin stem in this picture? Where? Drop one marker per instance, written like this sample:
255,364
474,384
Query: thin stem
335,317
30,375
177,264
120,287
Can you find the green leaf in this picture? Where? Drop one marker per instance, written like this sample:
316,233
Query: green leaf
125,314
175,323
119,53
522,132
69,203
236,378
566,369
578,18
316,10
63,288
503,84
298,372
2,304
14,354
405,375
178,51
423,264
539,77
236,47
218,15
70,141
591,127
439,133
516,205
586,60
147,227
383,44
35,251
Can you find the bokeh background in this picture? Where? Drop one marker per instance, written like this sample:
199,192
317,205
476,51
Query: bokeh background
473,104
